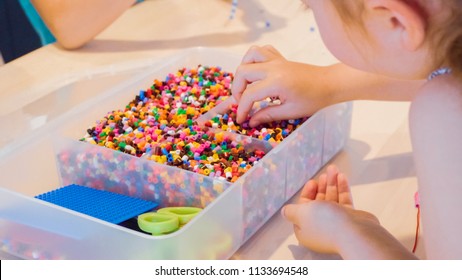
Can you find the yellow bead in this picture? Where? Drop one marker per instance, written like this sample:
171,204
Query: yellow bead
219,136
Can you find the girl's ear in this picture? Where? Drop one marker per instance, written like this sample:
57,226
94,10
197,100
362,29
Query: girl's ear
403,17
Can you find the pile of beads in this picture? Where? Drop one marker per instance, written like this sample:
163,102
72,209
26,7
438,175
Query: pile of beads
208,153
272,132
160,124
163,110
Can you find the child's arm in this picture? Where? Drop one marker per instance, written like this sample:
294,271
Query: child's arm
74,23
303,89
436,134
325,221
328,227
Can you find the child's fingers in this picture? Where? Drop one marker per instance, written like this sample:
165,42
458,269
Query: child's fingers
272,50
309,191
259,54
291,213
331,188
269,114
254,92
322,185
344,192
245,74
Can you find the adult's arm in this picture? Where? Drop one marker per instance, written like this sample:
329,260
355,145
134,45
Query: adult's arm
74,23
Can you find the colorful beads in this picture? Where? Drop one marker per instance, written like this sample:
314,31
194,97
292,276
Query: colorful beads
208,153
272,132
159,124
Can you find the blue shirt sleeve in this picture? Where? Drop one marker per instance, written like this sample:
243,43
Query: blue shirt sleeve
37,23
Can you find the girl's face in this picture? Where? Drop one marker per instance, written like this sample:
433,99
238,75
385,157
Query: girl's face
336,37
375,49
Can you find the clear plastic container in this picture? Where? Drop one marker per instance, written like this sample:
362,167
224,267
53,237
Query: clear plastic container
50,156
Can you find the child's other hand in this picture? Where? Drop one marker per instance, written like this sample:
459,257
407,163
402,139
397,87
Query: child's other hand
264,73
324,215
331,186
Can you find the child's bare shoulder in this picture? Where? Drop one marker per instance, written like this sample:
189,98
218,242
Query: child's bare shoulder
439,100
436,130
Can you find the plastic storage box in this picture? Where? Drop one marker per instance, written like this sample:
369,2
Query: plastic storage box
51,156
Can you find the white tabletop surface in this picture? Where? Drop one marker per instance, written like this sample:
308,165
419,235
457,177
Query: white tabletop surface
377,158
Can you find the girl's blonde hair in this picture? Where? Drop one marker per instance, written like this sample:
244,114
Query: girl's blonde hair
445,38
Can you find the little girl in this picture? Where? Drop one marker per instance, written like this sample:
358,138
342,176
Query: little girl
390,50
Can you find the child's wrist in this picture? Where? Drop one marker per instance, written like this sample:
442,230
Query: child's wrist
333,91
356,234
363,237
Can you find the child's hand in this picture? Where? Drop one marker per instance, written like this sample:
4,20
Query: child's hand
325,214
331,186
264,73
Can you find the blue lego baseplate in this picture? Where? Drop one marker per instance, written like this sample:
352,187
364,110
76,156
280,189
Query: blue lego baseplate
111,207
